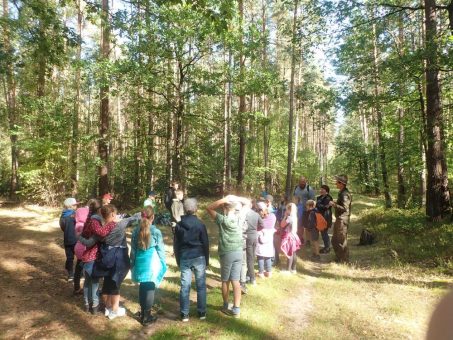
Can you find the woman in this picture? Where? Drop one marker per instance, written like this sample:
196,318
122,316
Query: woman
147,262
323,207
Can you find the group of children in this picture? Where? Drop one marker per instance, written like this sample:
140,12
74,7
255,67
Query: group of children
96,236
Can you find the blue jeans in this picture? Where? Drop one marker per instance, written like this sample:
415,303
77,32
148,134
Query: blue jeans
264,263
325,237
198,265
90,286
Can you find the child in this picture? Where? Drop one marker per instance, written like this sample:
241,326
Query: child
312,230
91,283
290,241
81,215
112,257
151,200
67,225
265,244
147,262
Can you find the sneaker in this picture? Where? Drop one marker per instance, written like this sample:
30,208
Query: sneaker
253,283
268,274
293,271
107,311
202,316
226,308
285,272
243,289
121,311
261,275
150,319
70,278
235,312
87,308
184,317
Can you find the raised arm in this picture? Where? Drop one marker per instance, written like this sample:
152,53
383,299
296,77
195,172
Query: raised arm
214,205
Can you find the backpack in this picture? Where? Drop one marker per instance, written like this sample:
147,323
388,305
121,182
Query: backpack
366,238
321,223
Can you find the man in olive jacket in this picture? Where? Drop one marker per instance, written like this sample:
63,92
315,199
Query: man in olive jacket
342,214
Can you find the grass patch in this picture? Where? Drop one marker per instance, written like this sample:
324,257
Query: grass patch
411,238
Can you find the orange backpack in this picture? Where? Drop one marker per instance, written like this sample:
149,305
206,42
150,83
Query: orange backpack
321,223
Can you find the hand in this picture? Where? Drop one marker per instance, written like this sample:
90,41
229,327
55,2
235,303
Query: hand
332,204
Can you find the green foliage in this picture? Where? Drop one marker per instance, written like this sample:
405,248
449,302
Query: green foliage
414,239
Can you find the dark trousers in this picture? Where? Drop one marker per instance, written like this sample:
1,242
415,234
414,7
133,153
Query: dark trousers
78,274
69,265
340,241
146,296
292,262
250,251
277,244
325,238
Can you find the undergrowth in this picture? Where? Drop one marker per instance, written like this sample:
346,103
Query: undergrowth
411,237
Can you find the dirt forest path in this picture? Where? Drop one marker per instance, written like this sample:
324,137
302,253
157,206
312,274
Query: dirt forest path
324,300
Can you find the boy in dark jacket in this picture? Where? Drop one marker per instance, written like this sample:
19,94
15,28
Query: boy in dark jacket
67,225
191,248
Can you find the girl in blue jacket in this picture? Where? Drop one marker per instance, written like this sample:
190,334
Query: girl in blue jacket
147,262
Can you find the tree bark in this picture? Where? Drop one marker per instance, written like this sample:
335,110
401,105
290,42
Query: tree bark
10,93
103,145
76,113
242,104
291,104
379,136
437,194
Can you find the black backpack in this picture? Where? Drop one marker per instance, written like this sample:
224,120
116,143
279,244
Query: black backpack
366,238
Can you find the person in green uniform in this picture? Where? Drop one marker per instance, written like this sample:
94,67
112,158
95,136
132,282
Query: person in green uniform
342,208
230,247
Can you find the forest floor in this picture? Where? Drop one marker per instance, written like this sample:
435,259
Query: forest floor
373,297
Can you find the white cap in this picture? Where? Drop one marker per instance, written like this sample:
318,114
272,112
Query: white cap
69,202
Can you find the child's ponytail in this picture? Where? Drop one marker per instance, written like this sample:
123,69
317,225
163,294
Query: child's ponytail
144,236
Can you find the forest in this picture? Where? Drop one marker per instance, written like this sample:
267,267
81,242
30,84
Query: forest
222,96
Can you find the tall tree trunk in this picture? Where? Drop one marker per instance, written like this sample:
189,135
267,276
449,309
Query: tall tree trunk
103,145
379,135
291,103
227,125
400,117
242,104
10,92
265,103
437,194
76,113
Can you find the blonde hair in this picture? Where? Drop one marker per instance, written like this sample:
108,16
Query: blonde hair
293,213
310,204
144,235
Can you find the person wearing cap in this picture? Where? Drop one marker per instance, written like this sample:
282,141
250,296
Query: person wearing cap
67,225
230,247
106,198
151,200
342,208
253,223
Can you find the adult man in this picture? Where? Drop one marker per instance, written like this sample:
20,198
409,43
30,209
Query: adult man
342,213
252,222
170,195
230,247
303,191
191,248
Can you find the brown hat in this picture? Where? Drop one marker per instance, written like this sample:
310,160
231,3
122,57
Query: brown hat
342,179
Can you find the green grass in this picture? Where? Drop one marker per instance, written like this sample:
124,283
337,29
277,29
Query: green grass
376,296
